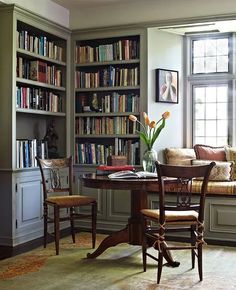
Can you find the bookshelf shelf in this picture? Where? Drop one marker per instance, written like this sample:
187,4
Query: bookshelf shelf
40,112
40,84
107,136
114,88
109,63
32,55
105,114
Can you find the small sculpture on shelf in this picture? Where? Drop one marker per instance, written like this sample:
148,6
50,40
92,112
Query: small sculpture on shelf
51,138
95,106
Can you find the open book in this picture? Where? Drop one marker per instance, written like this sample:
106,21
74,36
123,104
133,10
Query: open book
132,174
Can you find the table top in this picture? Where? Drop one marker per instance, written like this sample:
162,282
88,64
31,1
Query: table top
103,182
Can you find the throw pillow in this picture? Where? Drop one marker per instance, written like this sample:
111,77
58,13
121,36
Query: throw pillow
231,156
222,171
205,152
179,156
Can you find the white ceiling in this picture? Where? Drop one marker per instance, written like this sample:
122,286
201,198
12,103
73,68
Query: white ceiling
217,26
79,4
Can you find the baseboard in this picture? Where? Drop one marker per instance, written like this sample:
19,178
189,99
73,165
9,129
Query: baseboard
7,251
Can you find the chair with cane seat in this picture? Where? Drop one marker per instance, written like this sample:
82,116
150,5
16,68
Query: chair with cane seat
57,193
180,216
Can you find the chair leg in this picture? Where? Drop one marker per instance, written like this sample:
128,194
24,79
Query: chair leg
72,226
94,223
160,263
144,244
161,248
56,228
193,241
200,262
45,227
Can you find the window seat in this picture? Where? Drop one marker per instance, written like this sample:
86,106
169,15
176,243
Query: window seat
220,207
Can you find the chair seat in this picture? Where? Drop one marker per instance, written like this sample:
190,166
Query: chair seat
172,216
69,200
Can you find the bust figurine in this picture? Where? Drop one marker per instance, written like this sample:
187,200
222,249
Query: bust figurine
51,137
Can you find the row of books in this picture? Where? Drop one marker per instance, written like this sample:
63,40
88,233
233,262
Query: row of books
107,77
40,71
125,49
39,45
92,153
110,103
38,99
27,150
104,125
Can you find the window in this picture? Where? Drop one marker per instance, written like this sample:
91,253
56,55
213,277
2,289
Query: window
210,115
210,55
210,91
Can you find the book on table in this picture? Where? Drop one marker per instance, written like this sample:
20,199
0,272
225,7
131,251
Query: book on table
132,174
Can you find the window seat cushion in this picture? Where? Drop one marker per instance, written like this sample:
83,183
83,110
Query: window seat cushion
216,187
224,188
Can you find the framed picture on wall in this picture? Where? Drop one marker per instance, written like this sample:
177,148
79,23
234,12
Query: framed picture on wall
167,86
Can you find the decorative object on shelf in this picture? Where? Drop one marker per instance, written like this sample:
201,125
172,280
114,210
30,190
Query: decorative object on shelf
51,137
94,106
116,160
167,83
150,132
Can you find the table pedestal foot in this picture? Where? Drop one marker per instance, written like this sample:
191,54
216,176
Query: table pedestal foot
111,241
168,257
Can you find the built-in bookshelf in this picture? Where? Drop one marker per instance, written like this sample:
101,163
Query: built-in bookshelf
35,92
107,91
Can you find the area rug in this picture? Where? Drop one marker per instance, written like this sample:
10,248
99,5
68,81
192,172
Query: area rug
118,268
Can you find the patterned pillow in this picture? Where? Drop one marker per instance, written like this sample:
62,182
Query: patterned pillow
231,156
222,171
179,156
205,152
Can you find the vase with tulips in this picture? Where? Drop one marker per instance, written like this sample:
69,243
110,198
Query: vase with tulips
149,132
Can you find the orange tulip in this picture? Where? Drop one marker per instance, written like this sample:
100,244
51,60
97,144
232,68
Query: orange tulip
133,118
146,119
152,124
166,115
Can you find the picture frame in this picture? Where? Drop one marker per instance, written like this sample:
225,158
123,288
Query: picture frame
167,86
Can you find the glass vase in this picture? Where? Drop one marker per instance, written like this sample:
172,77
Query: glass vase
149,159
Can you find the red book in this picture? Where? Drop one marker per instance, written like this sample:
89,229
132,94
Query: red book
108,169
115,168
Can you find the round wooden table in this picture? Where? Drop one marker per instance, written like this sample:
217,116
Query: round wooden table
132,233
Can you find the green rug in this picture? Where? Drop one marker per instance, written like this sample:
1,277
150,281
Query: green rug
119,268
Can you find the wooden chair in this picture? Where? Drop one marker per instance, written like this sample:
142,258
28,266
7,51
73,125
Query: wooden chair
180,216
57,193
